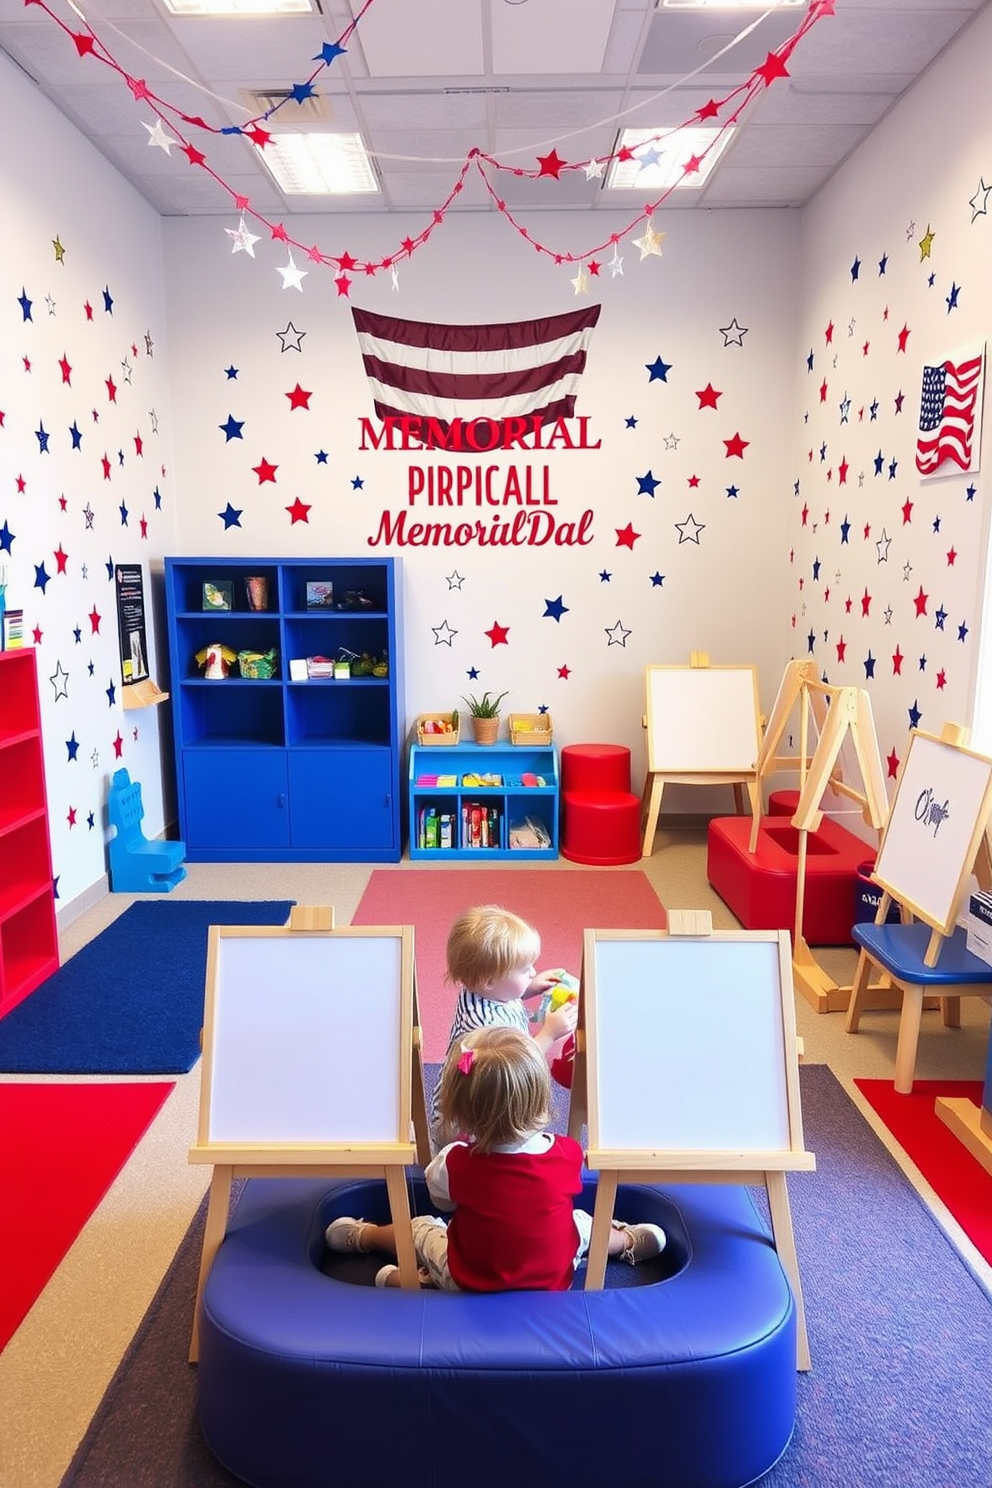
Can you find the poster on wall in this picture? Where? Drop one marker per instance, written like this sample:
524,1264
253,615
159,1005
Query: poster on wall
131,623
950,432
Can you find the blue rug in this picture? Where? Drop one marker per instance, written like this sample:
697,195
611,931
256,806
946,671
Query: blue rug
899,1327
131,1001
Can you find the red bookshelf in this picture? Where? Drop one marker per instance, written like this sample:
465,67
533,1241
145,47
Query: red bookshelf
29,948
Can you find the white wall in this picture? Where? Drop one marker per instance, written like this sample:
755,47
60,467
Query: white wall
919,170
722,594
54,187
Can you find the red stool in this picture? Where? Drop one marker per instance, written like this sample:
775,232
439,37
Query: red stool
600,819
595,767
783,803
602,828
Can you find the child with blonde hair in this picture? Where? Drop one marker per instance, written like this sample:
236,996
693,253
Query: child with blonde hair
508,1184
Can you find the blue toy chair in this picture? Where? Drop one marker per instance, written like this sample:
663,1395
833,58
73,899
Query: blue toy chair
138,866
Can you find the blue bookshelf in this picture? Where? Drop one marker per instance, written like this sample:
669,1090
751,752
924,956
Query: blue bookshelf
283,769
480,822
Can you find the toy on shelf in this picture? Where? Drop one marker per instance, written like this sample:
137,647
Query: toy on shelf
216,661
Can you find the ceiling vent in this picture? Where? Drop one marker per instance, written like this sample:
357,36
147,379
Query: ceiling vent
261,102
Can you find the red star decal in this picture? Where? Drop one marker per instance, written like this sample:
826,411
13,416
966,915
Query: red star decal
564,672
111,389
626,536
898,400
298,398
802,584
826,595
707,396
27,363
138,87
594,266
280,234
823,391
143,523
63,503
708,111
828,334
892,761
347,263
897,661
805,514
864,349
842,470
139,446
94,621
66,369
865,603
498,634
921,603
867,532
84,44
551,165
343,284
265,471
88,308
773,67
736,446
693,481
71,818
692,165
847,605
941,680
106,467
259,137
36,635
951,557
118,745
841,648
193,155
903,337
61,558
21,484
298,512
907,511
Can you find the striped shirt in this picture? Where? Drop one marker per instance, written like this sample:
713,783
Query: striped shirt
471,1012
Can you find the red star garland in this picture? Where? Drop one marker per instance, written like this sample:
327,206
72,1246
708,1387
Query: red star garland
298,512
498,634
265,471
773,67
551,165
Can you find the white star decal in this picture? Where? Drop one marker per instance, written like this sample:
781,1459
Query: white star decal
158,137
242,240
616,264
581,282
291,338
60,681
882,547
455,580
689,530
617,635
443,634
292,277
593,170
733,334
650,242
671,441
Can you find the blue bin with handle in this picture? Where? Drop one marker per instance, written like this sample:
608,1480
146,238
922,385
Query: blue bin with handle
867,896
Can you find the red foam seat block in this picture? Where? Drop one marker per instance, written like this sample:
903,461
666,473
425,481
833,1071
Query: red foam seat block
595,767
760,887
601,828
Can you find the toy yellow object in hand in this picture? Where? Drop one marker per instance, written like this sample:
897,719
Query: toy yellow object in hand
567,989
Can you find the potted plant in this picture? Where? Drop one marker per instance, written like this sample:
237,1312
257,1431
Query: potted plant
484,712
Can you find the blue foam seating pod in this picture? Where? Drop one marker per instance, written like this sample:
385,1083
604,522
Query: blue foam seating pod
306,1380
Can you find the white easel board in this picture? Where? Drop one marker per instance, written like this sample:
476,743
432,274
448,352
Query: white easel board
936,820
307,1039
691,1050
702,720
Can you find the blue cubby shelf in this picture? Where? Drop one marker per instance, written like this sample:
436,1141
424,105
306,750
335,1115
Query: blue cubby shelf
504,805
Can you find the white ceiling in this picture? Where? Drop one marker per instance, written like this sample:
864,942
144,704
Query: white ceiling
427,81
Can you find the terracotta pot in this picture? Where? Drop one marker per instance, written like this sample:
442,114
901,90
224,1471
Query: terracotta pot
486,730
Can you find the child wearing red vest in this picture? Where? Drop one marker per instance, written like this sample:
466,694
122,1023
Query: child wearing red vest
509,1187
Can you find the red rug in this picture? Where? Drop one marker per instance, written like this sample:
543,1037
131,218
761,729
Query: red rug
560,903
947,1165
61,1147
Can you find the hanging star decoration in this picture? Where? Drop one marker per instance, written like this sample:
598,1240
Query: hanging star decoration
242,240
650,241
292,277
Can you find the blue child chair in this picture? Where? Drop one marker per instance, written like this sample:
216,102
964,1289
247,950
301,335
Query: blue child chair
138,866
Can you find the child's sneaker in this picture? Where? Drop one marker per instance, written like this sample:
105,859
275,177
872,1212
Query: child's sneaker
345,1234
646,1242
384,1273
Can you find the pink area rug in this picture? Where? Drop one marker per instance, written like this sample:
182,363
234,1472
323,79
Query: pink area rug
561,903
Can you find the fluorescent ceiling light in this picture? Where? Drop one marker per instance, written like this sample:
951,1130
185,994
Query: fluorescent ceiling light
238,7
319,164
661,157
729,4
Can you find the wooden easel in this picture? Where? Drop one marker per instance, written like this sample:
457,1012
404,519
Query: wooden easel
657,777
764,1168
386,1160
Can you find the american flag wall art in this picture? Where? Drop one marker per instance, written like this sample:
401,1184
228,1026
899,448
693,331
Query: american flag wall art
518,369
950,414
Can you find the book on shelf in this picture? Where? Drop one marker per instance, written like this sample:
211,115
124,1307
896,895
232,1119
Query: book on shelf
12,634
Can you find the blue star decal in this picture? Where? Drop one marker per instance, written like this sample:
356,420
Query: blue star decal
158,498
658,370
915,715
936,524
604,576
75,435
357,483
811,642
969,494
845,528
816,570
42,437
472,673
230,373
647,485
554,609
72,745
109,566
630,423
883,263
893,467
823,451
108,303
230,517
91,821
873,410
321,457
962,631
6,538
809,361
939,618
111,694
923,663
232,429
869,666
952,298
328,52
25,304
657,579
90,668
77,635
300,92
879,462
123,511
855,269
41,578
732,491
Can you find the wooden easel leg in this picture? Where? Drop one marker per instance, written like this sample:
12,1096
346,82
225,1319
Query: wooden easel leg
739,797
578,1100
399,1210
653,787
859,987
214,1231
421,1122
606,1197
785,1244
909,1037
950,1011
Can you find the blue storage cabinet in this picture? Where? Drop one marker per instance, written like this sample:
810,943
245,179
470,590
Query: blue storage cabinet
279,770
511,800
